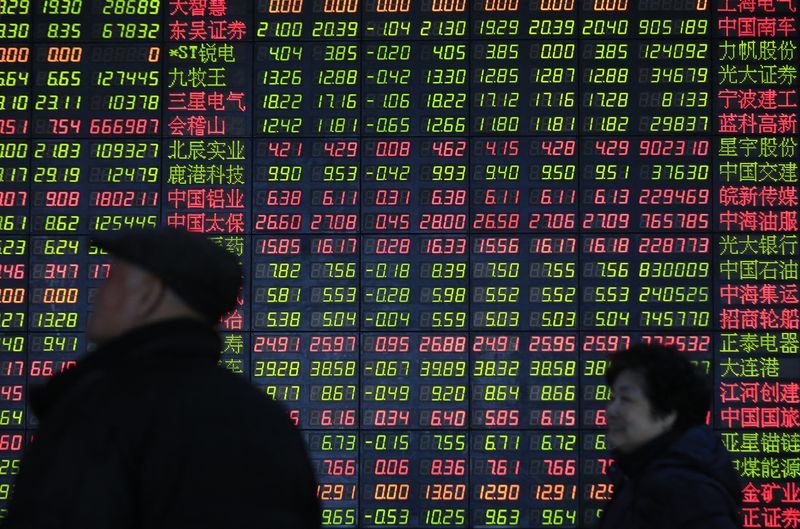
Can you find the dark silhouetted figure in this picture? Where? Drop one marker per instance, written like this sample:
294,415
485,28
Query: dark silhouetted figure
147,431
670,471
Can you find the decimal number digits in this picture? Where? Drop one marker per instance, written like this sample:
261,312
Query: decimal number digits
14,7
62,7
131,7
119,30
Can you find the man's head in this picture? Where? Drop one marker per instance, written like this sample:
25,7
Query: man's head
158,275
654,389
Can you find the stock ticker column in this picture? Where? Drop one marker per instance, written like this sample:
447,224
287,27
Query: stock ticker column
65,109
15,124
207,115
306,244
645,201
756,178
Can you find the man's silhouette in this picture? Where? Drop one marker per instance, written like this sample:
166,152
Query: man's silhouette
147,431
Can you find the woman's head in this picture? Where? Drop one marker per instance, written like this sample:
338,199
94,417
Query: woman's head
654,389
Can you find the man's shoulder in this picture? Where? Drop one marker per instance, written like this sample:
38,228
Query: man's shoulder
186,390
205,391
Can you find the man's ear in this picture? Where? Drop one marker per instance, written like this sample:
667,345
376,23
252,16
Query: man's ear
669,419
147,292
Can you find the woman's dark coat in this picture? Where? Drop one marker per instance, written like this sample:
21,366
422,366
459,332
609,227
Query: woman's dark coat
682,480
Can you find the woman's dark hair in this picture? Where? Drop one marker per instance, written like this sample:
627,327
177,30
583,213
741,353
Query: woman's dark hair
672,383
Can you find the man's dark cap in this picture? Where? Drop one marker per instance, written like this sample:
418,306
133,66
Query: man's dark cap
203,274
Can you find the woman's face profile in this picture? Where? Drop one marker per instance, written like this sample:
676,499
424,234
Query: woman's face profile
630,419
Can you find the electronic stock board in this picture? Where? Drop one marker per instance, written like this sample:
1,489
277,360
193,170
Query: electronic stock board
449,212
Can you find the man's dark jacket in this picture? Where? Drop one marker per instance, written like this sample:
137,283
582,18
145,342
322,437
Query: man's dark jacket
681,480
148,432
